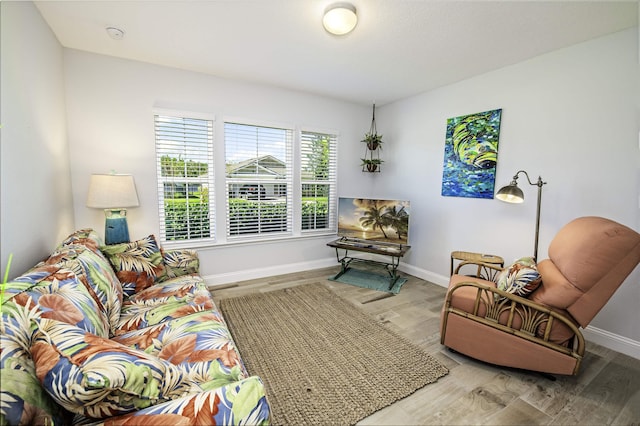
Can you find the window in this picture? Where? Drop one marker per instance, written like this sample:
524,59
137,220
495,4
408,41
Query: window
258,180
277,182
184,155
318,170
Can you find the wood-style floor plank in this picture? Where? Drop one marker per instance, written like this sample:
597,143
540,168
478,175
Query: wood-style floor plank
606,391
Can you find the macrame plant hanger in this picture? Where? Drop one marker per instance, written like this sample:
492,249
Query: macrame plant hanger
371,161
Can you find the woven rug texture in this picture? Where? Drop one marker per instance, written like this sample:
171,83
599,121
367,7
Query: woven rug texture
324,361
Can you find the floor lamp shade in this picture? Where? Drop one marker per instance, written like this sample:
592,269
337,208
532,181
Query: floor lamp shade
113,193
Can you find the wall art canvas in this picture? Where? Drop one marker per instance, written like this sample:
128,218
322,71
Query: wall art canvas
471,154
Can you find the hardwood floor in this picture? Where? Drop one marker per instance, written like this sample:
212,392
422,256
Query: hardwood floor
606,391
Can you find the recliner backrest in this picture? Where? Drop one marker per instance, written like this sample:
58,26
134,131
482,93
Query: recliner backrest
589,258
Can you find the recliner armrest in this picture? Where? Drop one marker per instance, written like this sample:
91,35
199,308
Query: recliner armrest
486,271
514,315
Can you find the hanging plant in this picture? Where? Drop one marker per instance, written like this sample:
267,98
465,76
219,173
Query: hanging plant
371,164
373,141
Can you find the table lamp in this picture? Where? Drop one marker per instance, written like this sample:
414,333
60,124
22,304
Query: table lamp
512,194
113,193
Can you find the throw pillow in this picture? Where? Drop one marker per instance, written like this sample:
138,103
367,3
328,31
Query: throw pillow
520,278
181,262
98,377
87,237
138,264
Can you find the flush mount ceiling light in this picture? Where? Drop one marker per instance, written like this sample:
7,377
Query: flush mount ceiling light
340,18
115,33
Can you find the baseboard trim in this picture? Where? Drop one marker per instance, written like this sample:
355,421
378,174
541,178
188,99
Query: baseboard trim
432,277
612,341
250,274
593,334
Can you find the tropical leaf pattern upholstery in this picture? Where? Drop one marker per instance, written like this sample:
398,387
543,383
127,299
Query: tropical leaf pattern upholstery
98,377
22,400
181,288
139,315
520,278
138,264
200,343
76,348
241,402
180,262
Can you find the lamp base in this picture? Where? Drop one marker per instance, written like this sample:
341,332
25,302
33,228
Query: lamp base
116,230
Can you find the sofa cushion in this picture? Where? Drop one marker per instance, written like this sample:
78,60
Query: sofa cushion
199,343
138,264
239,403
138,315
520,278
57,293
24,401
95,272
98,377
93,269
173,290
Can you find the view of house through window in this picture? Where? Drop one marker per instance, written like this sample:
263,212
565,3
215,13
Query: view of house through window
259,175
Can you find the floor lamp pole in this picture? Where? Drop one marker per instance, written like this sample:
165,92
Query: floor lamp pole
535,246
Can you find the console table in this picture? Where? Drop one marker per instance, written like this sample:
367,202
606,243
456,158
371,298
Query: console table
394,251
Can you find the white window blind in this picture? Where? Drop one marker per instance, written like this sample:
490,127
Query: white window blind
184,154
258,163
318,176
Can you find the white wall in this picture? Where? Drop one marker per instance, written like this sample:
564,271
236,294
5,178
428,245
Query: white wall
36,207
569,116
110,109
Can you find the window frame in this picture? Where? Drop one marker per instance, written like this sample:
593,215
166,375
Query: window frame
209,180
218,195
331,181
290,143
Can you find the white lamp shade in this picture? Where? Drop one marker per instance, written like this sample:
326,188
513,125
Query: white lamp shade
340,18
112,191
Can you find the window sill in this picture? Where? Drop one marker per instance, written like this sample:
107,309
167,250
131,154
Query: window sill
211,244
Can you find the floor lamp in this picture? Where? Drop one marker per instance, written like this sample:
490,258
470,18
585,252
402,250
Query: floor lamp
512,194
113,193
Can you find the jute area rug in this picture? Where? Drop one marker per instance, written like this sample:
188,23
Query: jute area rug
323,361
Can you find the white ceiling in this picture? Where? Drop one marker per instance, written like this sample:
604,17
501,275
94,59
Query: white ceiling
399,47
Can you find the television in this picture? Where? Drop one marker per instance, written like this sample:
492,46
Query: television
379,221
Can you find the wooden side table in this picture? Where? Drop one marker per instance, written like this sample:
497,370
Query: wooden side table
475,257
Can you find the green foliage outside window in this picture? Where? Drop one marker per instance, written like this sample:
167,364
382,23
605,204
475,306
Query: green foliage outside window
317,159
177,167
251,217
184,221
193,222
315,213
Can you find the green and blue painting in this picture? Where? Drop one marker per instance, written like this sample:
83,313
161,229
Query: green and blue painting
471,154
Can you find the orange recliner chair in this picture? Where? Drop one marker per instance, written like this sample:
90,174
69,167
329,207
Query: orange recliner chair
588,260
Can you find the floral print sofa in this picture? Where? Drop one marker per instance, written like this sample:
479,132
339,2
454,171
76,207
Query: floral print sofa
120,335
